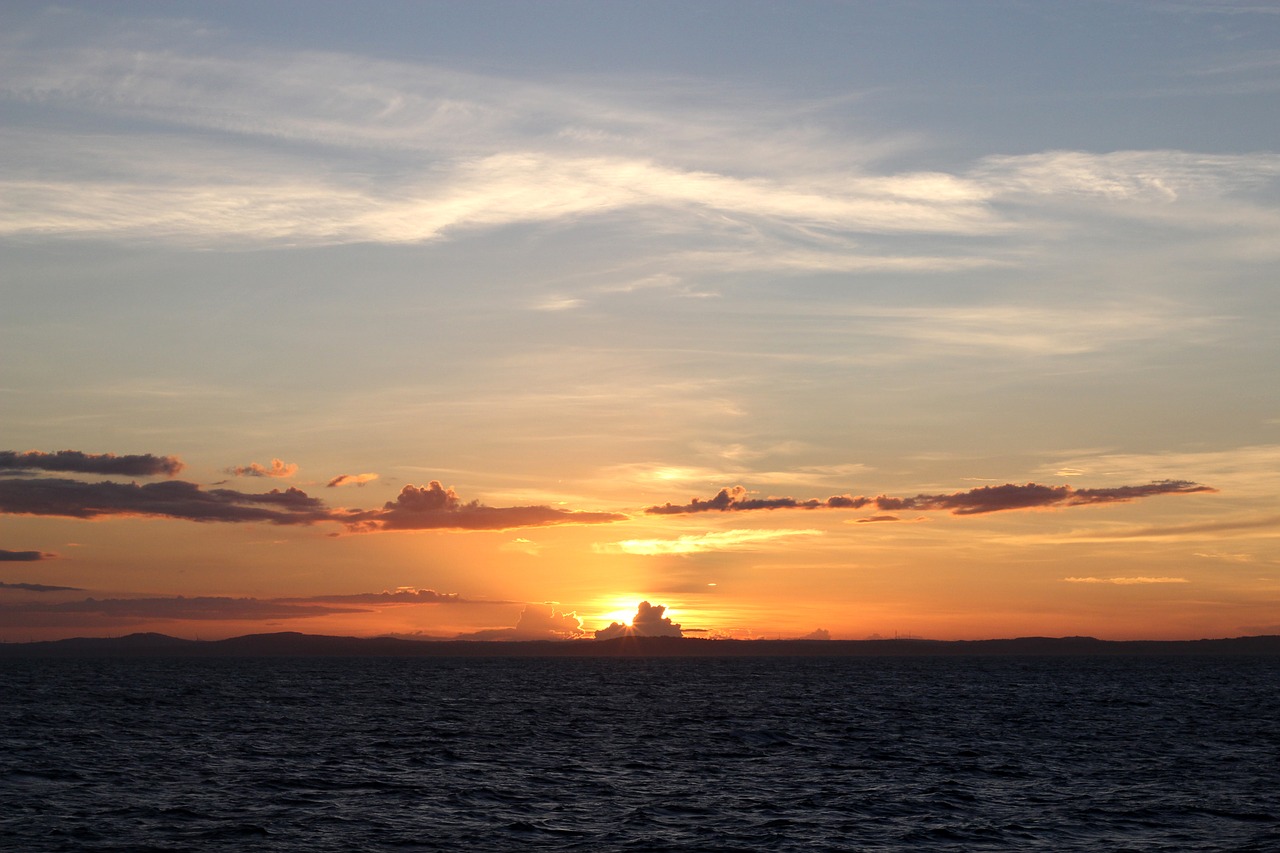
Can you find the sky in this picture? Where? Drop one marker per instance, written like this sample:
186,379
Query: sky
512,320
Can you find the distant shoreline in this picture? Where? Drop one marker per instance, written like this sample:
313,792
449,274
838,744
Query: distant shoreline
291,644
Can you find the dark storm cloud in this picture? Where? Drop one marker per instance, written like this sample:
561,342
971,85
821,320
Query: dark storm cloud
169,499
434,507
38,587
648,622
973,502
22,556
146,465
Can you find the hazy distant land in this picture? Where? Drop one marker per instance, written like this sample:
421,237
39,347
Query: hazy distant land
290,644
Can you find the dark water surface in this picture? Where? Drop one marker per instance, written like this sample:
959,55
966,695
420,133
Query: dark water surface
965,754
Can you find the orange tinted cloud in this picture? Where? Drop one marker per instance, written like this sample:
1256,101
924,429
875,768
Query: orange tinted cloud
973,502
351,480
278,468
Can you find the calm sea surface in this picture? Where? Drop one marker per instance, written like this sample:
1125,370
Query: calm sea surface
965,754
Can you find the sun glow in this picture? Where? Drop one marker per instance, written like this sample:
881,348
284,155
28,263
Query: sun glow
622,616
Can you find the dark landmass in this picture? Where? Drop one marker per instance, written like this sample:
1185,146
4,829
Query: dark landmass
290,644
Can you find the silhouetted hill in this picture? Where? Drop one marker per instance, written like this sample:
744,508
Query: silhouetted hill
292,644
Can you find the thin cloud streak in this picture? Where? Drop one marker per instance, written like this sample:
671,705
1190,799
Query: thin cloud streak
217,608
1127,581
698,543
39,587
973,502
434,507
170,499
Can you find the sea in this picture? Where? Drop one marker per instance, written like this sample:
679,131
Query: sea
641,754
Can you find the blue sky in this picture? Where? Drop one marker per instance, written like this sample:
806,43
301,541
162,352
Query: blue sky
597,257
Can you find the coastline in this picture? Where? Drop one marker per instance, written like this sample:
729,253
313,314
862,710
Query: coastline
292,644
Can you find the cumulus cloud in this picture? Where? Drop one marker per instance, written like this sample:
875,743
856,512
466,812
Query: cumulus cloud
169,499
278,468
536,622
817,634
7,556
145,465
648,622
973,502
351,480
434,507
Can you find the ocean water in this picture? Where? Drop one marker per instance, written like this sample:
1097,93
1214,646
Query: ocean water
601,754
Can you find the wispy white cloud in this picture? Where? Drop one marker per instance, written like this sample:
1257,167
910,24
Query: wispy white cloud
395,152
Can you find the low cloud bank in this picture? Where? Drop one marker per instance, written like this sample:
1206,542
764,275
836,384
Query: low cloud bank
206,608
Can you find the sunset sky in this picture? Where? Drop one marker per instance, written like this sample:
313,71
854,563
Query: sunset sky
496,319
